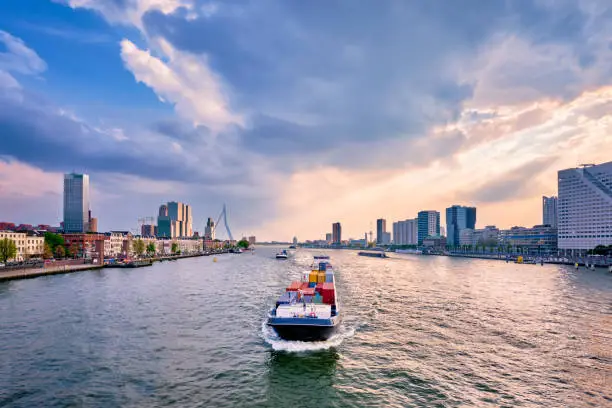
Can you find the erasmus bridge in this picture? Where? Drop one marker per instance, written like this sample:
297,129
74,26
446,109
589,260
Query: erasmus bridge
223,215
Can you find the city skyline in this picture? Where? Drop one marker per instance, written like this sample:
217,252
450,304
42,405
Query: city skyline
135,94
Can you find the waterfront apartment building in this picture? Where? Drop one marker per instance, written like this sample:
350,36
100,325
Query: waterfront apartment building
458,218
406,232
328,238
29,244
175,219
381,229
336,233
488,236
549,211
585,207
541,239
428,225
76,203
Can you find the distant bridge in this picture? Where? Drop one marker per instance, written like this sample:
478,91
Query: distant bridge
227,228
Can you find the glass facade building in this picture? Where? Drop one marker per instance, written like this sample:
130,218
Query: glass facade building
549,211
337,233
76,203
428,225
459,218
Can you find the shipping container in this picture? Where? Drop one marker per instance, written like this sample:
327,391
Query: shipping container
312,284
304,285
321,277
308,292
322,266
313,277
294,286
329,277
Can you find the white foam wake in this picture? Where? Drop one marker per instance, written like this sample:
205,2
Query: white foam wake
278,344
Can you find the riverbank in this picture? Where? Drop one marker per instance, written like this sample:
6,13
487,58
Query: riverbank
30,273
581,262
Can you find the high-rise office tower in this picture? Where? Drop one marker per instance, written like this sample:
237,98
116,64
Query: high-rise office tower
458,218
336,233
428,225
76,203
175,220
549,211
209,230
381,229
584,217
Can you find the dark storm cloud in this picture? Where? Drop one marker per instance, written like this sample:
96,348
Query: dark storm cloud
360,71
35,131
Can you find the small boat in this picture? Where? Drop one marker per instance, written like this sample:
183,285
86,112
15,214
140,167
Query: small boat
308,310
292,247
282,254
373,254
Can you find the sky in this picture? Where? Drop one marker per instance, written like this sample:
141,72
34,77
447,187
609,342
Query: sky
298,114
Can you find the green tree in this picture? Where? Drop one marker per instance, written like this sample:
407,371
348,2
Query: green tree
151,248
8,249
73,250
48,252
53,240
138,246
60,252
174,248
243,243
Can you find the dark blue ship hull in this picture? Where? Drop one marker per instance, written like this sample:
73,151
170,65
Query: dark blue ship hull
298,329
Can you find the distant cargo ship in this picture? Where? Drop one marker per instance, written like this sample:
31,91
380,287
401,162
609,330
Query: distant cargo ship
308,310
373,254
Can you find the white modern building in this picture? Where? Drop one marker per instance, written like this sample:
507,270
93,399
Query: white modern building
549,211
29,244
585,207
405,232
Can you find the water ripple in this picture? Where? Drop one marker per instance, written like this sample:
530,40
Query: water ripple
416,331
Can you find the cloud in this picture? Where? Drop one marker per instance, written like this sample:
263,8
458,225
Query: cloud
19,58
184,80
128,11
69,33
398,105
514,184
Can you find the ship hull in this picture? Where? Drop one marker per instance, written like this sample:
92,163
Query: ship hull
303,332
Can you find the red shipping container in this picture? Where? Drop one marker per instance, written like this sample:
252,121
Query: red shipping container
294,286
308,292
328,293
319,287
304,285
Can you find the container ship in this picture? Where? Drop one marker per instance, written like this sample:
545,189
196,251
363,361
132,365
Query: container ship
308,309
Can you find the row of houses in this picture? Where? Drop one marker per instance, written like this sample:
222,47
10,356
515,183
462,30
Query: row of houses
30,244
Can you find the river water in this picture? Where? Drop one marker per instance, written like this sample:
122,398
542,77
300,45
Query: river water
417,331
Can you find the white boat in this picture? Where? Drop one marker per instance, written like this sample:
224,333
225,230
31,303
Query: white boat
282,254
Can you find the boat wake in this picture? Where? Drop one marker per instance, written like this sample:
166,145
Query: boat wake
278,344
